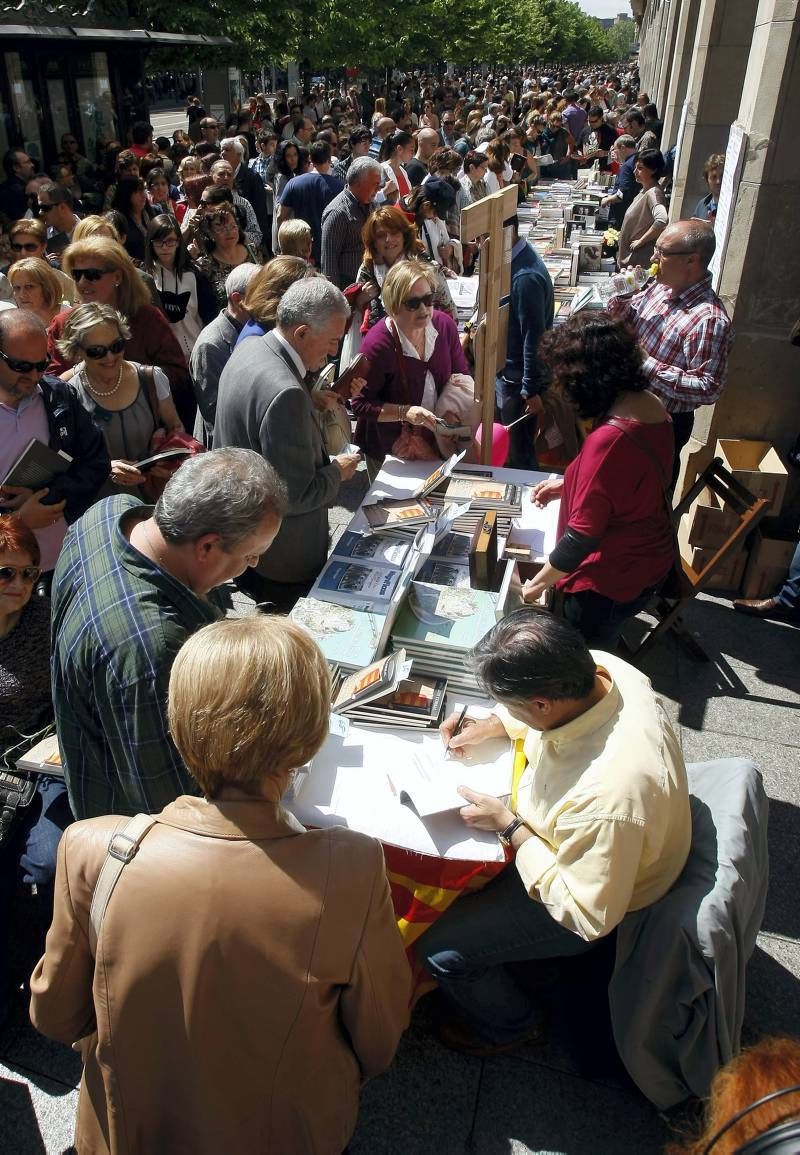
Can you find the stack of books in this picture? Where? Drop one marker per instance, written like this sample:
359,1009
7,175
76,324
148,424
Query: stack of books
439,624
386,693
480,489
363,571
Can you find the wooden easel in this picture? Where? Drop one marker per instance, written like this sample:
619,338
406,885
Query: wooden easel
490,336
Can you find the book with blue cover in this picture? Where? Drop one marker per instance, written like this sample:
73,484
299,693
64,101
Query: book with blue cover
362,586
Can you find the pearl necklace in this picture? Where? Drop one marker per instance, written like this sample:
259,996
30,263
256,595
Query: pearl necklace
107,392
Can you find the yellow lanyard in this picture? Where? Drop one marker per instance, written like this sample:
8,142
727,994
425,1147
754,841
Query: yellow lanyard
520,763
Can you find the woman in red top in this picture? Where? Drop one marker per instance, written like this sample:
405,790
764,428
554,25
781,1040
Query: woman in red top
615,540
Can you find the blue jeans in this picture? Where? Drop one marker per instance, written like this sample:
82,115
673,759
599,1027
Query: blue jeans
30,858
789,593
510,406
467,948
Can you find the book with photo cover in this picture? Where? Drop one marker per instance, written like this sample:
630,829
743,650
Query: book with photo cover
482,491
37,466
403,516
416,703
363,586
377,680
440,572
372,548
440,474
345,635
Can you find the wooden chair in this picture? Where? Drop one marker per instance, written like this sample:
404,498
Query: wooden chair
667,606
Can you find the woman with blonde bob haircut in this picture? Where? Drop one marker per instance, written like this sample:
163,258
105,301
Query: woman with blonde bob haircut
104,274
36,286
265,289
257,964
417,369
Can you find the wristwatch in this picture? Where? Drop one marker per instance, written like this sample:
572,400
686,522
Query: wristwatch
506,835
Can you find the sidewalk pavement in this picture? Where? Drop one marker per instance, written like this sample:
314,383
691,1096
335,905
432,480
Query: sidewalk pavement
569,1095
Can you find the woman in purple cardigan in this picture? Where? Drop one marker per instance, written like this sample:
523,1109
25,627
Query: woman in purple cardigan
412,353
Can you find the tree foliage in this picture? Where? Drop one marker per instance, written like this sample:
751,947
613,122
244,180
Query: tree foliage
402,33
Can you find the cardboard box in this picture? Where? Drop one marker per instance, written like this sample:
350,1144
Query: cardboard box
757,466
767,565
728,576
710,522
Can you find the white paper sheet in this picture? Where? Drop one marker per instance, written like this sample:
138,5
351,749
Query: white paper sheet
351,783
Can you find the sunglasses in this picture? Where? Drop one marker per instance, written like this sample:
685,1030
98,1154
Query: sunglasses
91,275
413,303
44,208
27,248
28,573
95,352
23,366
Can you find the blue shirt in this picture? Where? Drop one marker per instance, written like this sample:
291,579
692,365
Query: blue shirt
307,196
531,309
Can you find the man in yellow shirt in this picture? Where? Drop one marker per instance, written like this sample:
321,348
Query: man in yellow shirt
603,824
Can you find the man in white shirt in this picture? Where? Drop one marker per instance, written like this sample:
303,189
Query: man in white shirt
603,824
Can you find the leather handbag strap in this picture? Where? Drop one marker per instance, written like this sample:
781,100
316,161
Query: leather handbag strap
147,380
122,847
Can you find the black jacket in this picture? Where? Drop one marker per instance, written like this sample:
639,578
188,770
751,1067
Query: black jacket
250,186
72,429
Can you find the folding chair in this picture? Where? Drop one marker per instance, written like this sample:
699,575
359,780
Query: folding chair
667,607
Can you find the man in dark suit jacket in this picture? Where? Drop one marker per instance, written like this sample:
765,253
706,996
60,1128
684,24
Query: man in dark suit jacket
19,168
245,181
265,404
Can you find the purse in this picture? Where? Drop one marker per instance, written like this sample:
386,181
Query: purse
17,791
161,440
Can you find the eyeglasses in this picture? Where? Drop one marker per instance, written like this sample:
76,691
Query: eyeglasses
95,352
413,303
30,247
44,208
657,252
23,366
91,275
170,240
28,573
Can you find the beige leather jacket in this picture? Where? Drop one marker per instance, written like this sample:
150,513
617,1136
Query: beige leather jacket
249,976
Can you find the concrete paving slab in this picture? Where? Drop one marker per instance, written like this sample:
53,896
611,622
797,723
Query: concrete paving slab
735,700
425,1103
523,1108
37,1115
773,989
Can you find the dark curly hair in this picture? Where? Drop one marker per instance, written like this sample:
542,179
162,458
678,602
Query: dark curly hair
593,358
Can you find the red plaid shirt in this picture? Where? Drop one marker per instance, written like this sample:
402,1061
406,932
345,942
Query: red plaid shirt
685,339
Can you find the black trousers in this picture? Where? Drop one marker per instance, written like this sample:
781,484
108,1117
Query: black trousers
682,425
274,597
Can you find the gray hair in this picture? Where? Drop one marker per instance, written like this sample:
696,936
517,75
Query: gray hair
360,167
228,492
232,142
83,318
58,193
533,654
624,141
239,278
698,237
313,301
484,135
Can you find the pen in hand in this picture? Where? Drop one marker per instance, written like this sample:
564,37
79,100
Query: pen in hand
457,727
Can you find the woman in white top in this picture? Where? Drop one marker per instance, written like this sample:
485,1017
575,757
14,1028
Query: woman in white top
396,150
188,301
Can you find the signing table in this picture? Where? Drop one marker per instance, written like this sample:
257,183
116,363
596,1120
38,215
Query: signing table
355,779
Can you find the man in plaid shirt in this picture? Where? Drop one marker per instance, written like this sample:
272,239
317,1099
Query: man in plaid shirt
682,327
132,583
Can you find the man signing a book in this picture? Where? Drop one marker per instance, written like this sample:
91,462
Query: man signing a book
603,824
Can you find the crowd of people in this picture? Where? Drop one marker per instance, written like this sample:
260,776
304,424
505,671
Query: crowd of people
186,294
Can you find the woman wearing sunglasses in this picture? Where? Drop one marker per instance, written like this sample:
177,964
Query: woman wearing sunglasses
413,353
28,850
104,274
187,298
28,239
36,286
116,393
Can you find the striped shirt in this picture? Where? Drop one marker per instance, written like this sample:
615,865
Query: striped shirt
685,338
118,622
342,246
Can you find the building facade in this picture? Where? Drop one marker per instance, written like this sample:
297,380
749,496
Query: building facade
710,64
